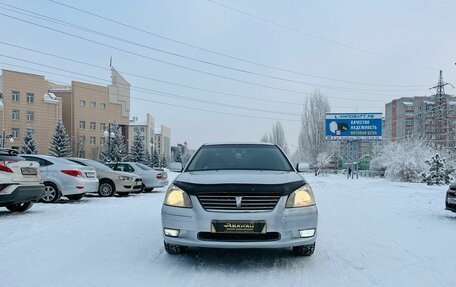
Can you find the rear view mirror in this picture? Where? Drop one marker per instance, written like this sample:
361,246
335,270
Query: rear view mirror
175,166
303,167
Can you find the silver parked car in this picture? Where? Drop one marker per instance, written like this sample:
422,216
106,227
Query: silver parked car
64,178
151,178
111,181
240,196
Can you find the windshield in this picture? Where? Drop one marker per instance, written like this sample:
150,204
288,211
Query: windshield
239,157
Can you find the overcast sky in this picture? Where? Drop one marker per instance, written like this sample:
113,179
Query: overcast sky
389,48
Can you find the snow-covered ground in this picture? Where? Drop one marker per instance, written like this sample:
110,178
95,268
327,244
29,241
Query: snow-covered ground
372,232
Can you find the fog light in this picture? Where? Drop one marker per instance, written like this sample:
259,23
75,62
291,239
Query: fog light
171,232
307,232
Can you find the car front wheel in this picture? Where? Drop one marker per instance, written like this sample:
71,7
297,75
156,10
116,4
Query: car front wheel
106,189
19,207
304,250
175,249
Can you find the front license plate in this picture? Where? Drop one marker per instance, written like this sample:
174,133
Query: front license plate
238,226
28,171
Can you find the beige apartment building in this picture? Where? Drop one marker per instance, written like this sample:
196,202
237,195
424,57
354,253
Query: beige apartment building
88,110
28,104
162,142
146,129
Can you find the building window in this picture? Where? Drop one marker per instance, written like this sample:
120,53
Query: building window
82,103
82,140
30,116
82,125
93,140
103,105
93,125
102,126
102,140
15,96
30,98
409,123
15,114
15,132
142,130
93,104
82,154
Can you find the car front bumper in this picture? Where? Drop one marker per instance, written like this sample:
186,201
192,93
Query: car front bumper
21,193
285,221
128,185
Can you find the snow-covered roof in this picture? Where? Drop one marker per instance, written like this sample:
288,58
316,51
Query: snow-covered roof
408,103
429,103
50,98
452,103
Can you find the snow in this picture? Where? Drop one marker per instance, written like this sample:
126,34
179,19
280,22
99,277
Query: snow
372,232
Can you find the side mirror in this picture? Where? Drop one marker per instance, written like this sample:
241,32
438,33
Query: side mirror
175,166
303,167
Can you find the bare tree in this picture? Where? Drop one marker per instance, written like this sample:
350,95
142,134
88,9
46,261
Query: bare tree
312,135
265,138
276,136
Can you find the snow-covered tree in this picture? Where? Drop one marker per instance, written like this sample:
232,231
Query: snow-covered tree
114,149
439,172
29,144
177,156
323,159
163,162
60,142
147,159
155,159
137,152
312,139
277,136
403,161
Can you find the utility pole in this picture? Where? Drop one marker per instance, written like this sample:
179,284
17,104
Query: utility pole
440,113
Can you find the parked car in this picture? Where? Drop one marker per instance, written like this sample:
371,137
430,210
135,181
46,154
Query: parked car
450,201
20,182
151,178
111,181
239,196
64,178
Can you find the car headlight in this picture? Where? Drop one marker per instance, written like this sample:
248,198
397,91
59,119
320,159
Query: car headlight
122,177
302,197
177,197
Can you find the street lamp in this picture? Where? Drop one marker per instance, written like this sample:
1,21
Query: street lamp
109,135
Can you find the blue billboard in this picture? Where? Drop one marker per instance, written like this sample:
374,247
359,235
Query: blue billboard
353,126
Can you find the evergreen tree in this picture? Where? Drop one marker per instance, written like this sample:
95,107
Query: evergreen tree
155,159
137,153
177,156
114,149
60,143
29,144
439,173
147,159
163,162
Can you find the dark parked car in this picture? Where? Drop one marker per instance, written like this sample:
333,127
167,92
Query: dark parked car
450,201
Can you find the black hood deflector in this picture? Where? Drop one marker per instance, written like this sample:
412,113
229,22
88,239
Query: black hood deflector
283,189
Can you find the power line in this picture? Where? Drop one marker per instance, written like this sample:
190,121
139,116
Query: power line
223,54
178,84
319,37
67,24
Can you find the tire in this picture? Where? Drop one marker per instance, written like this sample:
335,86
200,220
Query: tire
52,193
123,194
304,250
19,207
75,196
106,189
174,249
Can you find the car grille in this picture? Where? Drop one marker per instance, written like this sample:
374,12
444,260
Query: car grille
242,237
138,179
239,202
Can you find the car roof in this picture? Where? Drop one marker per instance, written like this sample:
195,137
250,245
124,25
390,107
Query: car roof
238,143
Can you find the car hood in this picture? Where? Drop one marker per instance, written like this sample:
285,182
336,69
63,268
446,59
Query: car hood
239,181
